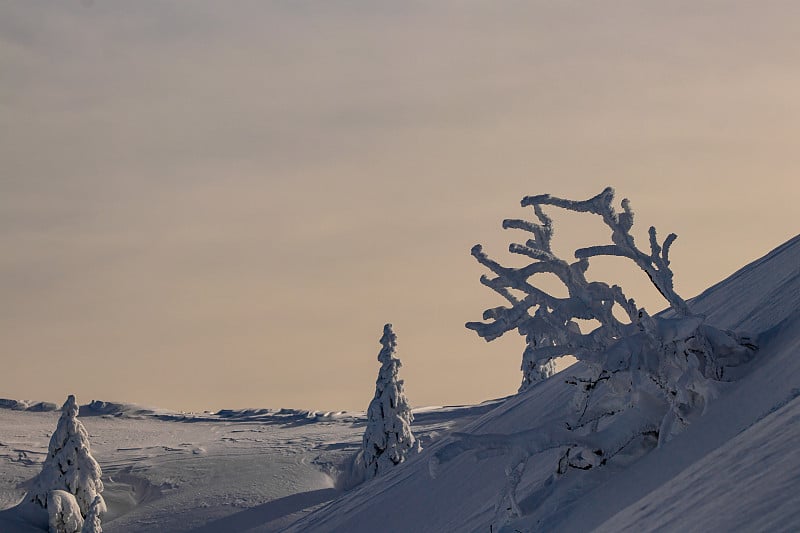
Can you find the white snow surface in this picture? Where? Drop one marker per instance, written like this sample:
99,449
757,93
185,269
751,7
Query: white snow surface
233,470
734,469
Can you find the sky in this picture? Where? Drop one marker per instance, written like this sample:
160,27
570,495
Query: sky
219,204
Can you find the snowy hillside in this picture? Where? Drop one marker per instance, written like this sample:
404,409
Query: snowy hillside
735,468
764,298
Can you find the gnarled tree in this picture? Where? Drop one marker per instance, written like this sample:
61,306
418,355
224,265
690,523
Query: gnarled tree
666,365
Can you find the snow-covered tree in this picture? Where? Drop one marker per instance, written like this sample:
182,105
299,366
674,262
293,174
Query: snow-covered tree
388,438
65,515
69,465
647,376
677,355
92,523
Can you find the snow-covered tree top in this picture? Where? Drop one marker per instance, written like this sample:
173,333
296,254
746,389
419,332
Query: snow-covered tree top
70,408
389,343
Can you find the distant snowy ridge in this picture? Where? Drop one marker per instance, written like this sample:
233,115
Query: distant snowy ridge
129,410
263,415
27,405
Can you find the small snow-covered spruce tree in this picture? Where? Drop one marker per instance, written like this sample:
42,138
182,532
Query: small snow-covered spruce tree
69,465
388,438
664,366
92,523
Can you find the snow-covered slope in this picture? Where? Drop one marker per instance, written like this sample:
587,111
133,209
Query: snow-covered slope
749,483
762,298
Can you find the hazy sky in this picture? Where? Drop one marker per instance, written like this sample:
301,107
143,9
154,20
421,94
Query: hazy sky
215,204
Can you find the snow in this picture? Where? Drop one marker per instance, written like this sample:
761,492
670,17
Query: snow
754,472
236,469
734,468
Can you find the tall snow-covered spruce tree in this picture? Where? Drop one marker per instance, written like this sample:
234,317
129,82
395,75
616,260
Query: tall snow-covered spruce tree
69,466
388,438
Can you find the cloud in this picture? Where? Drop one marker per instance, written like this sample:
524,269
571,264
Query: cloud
267,183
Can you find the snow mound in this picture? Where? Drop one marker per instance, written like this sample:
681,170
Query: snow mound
27,405
101,408
285,416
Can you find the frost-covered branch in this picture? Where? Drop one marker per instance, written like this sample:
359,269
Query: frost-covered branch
655,265
549,323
